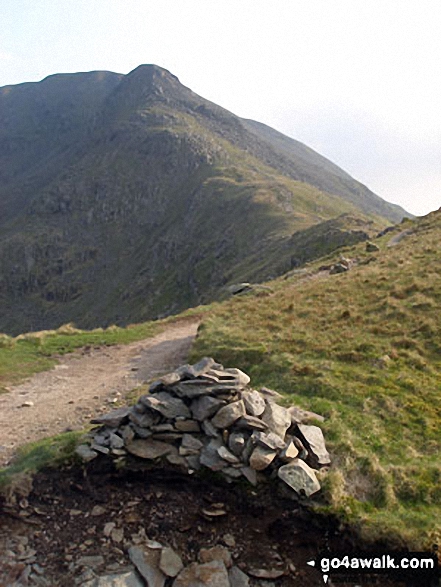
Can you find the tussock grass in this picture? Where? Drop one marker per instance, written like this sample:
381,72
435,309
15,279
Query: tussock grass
363,349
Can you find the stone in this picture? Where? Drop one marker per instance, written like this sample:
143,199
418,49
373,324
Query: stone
236,443
216,553
312,438
147,562
98,510
268,440
371,247
232,472
187,426
261,457
238,578
167,405
300,477
85,452
228,456
170,562
93,562
144,420
270,394
165,381
128,579
266,573
210,430
148,448
202,366
300,416
250,475
240,378
227,415
193,462
212,574
278,419
176,460
229,540
205,407
338,268
289,453
114,418
116,441
192,443
254,403
210,457
251,423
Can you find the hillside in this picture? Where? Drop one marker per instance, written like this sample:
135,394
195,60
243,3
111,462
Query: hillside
124,198
362,349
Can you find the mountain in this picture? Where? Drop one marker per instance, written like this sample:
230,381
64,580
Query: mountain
126,197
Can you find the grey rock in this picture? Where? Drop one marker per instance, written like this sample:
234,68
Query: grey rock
210,430
114,418
193,462
338,268
177,460
189,441
250,475
266,573
228,456
278,419
216,553
312,438
372,247
289,453
236,442
148,448
231,472
147,562
270,394
93,562
300,477
227,415
268,440
212,574
187,426
128,579
164,381
238,578
240,378
170,562
210,457
167,405
167,436
202,366
254,403
144,420
251,423
116,441
205,407
261,457
163,428
85,452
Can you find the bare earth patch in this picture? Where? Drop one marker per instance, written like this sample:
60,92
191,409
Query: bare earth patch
85,383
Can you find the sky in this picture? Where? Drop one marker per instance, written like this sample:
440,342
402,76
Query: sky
358,81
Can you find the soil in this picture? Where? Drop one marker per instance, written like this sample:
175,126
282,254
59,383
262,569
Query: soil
86,383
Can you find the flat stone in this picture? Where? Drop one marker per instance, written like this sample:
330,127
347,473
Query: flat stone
167,436
232,472
210,457
116,441
238,578
289,453
170,562
210,430
236,442
261,457
254,403
193,462
270,394
93,562
144,420
202,366
177,460
114,418
268,440
212,574
165,381
300,477
227,415
148,448
313,439
277,418
266,573
85,452
241,378
167,405
216,553
189,441
147,562
250,475
163,428
251,423
129,579
187,426
228,456
205,407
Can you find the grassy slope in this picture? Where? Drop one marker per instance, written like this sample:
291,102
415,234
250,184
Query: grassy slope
323,341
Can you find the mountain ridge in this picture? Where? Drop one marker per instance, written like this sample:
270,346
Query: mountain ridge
133,197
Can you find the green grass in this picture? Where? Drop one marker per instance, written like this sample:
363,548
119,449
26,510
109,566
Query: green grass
363,349
53,451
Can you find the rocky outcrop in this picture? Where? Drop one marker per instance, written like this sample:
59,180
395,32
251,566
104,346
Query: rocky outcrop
207,416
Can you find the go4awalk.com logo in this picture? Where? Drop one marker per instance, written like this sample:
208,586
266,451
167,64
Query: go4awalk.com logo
420,568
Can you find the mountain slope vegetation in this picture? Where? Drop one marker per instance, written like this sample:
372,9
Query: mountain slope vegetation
124,198
362,349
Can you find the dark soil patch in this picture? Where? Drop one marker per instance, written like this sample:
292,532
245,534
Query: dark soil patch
60,521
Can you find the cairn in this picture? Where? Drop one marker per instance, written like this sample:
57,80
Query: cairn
205,415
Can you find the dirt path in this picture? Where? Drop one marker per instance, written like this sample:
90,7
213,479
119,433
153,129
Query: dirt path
85,383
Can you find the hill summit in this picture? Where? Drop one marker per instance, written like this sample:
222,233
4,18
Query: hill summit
127,197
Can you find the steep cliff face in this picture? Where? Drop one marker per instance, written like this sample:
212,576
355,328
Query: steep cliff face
126,197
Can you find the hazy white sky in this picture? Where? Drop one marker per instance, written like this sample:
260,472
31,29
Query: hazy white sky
357,80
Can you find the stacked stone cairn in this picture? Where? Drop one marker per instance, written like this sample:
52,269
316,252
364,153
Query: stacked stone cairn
204,415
